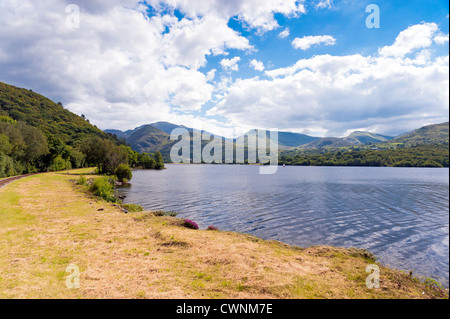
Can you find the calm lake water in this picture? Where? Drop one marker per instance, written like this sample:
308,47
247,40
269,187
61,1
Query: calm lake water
399,214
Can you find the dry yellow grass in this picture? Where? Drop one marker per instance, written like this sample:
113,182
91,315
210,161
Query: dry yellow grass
47,223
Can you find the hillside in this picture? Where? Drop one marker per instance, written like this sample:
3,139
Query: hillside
286,139
38,135
50,117
354,139
148,139
430,134
359,137
328,142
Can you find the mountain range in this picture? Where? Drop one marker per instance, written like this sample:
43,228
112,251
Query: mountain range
156,137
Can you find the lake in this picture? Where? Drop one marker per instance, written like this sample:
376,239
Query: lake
399,214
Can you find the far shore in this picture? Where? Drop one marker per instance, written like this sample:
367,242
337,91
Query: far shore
48,222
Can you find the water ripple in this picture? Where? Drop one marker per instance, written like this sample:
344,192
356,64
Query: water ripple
401,215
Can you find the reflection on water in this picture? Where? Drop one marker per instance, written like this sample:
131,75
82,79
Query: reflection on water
400,214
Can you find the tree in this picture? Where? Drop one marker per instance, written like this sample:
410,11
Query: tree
159,160
123,173
104,154
146,161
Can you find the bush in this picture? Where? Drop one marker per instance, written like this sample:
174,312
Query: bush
104,187
123,173
6,166
82,181
59,164
190,224
212,228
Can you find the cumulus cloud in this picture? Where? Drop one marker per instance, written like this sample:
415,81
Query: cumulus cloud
308,41
256,14
331,95
257,65
415,37
441,38
230,64
120,65
138,67
123,68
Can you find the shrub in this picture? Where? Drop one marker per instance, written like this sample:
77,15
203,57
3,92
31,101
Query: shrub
190,224
212,228
59,164
123,173
104,188
82,180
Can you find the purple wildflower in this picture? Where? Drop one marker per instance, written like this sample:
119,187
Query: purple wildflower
190,224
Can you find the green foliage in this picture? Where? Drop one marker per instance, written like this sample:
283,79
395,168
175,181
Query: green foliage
104,187
123,173
37,111
159,160
7,119
133,156
6,166
82,181
146,161
419,156
60,164
104,154
37,134
430,134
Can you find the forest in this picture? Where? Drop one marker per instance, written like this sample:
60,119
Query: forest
26,149
39,135
427,155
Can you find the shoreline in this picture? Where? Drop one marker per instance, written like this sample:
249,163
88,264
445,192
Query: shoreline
139,255
422,276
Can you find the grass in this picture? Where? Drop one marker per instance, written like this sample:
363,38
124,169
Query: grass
47,223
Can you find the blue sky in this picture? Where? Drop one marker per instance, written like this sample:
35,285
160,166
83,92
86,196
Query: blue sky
228,66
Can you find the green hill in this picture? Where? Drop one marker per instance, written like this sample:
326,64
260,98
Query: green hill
287,139
359,137
38,111
430,134
328,142
37,134
148,139
354,139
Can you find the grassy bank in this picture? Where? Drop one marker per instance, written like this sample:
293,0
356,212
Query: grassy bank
47,223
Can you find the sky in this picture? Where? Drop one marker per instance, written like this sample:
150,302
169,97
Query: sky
320,67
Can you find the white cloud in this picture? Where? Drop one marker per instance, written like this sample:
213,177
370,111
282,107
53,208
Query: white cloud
210,75
441,38
324,4
120,66
285,33
230,64
308,41
415,37
257,65
256,14
123,69
341,93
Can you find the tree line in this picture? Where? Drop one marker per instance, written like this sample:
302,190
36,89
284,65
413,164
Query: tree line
431,155
27,149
